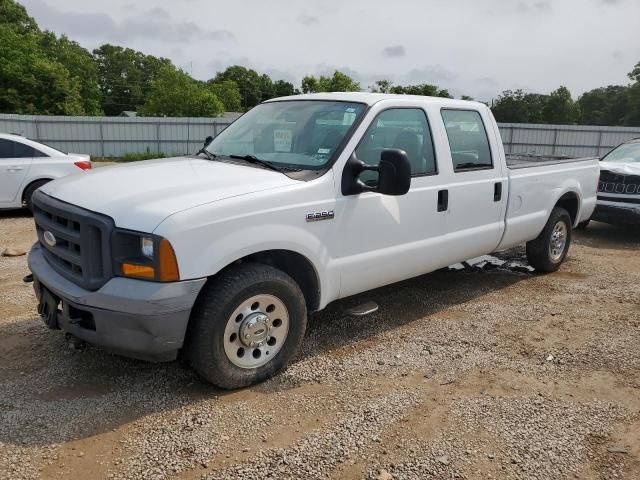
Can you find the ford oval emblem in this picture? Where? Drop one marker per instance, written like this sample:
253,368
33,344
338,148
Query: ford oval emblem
49,238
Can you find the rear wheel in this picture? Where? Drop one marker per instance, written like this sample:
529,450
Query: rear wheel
247,325
28,193
547,252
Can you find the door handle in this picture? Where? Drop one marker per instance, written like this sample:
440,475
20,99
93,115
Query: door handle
443,200
497,192
14,169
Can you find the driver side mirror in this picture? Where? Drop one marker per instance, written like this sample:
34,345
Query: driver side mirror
394,174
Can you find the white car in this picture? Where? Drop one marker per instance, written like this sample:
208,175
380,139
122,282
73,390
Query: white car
26,165
301,201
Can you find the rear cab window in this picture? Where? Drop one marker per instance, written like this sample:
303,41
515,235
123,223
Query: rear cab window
468,140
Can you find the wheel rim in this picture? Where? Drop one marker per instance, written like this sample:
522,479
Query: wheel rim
558,241
256,331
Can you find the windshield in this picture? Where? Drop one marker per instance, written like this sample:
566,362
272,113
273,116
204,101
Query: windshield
628,153
301,134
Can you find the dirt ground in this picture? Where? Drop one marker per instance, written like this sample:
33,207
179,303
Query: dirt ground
494,373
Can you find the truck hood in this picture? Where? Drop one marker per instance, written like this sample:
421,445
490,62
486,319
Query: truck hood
139,195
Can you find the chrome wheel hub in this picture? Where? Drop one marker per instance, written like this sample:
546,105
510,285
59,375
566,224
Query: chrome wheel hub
256,331
558,241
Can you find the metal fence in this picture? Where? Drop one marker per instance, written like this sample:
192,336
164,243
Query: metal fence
572,140
116,136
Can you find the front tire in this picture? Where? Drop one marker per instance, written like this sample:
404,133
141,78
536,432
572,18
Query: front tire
247,325
547,252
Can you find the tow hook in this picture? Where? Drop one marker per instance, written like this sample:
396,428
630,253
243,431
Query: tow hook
28,278
74,343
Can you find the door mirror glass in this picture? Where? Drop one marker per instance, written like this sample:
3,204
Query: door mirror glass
394,174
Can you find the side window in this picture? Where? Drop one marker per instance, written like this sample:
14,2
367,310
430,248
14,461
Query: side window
467,139
6,148
404,128
24,151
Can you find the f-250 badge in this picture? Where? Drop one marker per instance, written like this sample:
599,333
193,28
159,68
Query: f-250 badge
317,216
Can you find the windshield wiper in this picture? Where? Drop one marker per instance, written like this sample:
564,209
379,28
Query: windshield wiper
207,153
257,161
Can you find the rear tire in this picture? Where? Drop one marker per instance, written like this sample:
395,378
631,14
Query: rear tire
247,325
28,193
547,252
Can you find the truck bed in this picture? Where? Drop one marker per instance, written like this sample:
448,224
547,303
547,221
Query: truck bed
524,160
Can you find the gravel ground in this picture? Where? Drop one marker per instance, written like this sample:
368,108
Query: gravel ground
476,373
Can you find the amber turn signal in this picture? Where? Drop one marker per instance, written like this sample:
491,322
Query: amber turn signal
167,262
138,271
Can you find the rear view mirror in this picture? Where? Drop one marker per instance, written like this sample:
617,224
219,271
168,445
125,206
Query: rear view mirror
394,174
207,141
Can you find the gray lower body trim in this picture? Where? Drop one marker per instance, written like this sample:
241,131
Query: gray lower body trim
136,318
621,214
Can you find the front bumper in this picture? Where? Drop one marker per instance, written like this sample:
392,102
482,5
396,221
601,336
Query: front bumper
618,214
135,318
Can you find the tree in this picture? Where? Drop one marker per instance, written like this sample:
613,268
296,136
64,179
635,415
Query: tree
284,89
248,81
15,16
518,107
560,109
338,82
423,89
605,106
125,76
173,93
81,66
228,93
382,86
467,97
31,83
634,75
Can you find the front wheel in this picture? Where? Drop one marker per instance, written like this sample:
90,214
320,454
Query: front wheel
247,325
547,252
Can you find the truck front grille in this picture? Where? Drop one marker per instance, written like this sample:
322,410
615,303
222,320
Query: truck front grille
75,241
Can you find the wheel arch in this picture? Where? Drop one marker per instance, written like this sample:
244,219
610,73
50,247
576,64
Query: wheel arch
31,182
571,202
294,264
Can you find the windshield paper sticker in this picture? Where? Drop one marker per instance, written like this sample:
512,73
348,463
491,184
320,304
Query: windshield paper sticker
282,140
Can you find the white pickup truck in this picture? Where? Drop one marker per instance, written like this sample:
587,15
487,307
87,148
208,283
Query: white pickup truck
300,202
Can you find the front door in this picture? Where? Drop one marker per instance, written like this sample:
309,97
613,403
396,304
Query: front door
387,238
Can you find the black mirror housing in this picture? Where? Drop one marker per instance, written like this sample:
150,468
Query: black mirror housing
207,141
394,172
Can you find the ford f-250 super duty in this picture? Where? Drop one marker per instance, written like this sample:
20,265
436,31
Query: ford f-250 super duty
301,201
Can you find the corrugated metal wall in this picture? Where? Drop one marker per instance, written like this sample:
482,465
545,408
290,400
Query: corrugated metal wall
572,140
115,136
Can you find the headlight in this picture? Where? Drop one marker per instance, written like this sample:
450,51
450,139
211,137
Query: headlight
144,256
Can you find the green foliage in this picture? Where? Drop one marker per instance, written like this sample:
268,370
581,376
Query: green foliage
173,93
125,77
135,157
228,93
605,106
284,89
382,86
81,66
338,82
248,81
519,107
424,89
15,16
560,109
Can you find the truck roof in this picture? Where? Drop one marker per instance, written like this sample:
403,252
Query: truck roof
372,98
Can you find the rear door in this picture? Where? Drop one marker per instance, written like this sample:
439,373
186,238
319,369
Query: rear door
15,161
478,186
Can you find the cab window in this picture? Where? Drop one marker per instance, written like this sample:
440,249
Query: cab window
403,128
467,139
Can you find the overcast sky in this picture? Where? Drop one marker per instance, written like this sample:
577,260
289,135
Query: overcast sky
473,47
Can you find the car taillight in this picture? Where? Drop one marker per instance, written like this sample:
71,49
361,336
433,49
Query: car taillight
83,164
